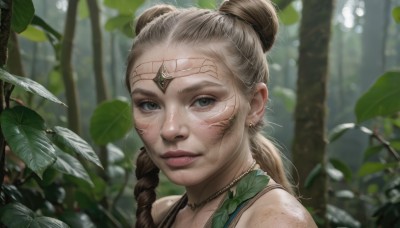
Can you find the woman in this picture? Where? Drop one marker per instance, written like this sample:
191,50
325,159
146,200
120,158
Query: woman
197,80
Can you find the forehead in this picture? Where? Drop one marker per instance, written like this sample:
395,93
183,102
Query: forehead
175,68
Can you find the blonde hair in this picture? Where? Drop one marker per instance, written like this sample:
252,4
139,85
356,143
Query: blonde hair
245,30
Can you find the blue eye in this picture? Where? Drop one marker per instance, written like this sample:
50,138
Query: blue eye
204,101
149,106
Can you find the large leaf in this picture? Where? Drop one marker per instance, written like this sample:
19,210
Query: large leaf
24,132
289,15
17,215
127,7
110,121
67,164
22,14
382,99
67,139
28,85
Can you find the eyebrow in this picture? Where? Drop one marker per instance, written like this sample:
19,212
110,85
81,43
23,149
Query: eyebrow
143,92
199,86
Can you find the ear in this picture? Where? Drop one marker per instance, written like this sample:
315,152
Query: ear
257,104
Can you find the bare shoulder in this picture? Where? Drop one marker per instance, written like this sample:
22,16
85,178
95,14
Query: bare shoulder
162,206
277,208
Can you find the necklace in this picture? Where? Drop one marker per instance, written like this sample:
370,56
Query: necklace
194,206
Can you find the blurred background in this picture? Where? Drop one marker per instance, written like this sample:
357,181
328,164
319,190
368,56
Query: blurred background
77,50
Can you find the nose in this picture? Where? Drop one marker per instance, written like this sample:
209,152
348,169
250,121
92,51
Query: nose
174,127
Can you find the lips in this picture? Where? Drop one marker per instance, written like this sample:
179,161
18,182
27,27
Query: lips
179,159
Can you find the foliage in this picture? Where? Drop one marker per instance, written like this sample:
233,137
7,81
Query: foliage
380,104
54,178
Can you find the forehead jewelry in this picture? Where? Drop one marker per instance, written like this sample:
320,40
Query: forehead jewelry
162,78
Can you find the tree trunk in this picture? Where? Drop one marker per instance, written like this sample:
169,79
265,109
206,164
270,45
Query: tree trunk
5,24
71,91
309,146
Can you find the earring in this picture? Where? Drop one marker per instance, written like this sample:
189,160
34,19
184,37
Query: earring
251,125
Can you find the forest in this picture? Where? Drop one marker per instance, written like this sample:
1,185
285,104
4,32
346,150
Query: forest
68,144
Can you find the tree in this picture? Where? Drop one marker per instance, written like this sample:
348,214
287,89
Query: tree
309,145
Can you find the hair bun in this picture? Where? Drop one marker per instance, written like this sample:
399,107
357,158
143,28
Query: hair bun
150,14
260,14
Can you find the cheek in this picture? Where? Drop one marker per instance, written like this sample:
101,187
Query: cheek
146,131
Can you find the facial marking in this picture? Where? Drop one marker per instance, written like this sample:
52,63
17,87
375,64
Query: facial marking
162,72
162,78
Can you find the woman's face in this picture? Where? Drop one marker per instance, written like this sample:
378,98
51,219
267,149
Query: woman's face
189,113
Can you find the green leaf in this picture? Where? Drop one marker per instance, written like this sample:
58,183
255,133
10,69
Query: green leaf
83,10
24,132
55,81
344,194
339,130
312,176
17,215
28,85
110,121
206,4
251,184
127,7
115,153
67,164
77,219
118,22
67,139
339,165
34,34
334,173
340,218
289,15
374,167
396,14
372,150
287,95
22,14
46,27
382,99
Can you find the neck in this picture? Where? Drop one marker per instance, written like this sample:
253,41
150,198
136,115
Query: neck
228,182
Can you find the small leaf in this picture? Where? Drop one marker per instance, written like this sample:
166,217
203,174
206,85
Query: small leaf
22,14
17,215
396,14
374,167
34,34
346,171
67,164
118,22
289,15
339,130
312,176
115,153
372,150
344,194
382,99
46,27
127,7
206,4
29,85
24,132
334,173
340,218
110,121
66,138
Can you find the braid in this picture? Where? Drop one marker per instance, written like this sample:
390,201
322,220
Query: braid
145,195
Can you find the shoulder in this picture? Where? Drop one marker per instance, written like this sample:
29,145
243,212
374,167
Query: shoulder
277,208
162,206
